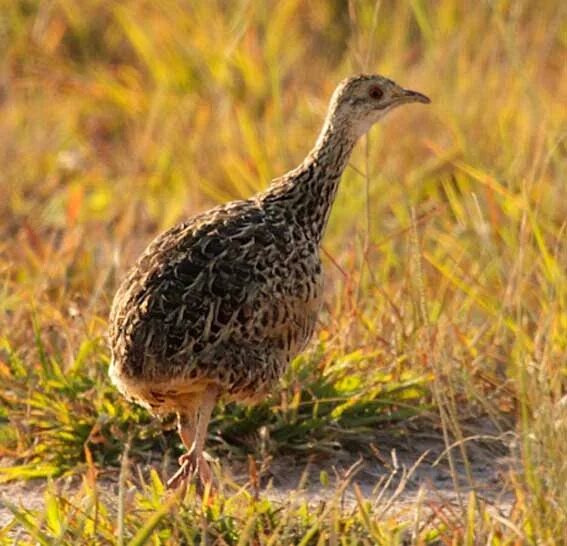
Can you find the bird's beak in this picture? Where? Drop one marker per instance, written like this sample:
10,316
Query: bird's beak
405,95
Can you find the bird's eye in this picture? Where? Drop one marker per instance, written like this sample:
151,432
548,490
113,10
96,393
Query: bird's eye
375,92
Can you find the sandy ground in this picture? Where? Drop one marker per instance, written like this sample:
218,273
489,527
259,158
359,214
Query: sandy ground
405,472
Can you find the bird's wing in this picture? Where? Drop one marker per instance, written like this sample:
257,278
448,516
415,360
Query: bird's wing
222,276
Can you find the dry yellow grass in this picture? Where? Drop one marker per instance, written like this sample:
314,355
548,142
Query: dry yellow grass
446,253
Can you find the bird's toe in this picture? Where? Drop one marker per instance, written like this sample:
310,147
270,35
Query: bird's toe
191,465
186,470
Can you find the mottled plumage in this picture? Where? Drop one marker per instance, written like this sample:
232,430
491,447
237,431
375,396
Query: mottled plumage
219,305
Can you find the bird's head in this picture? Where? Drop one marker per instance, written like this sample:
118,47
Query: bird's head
360,101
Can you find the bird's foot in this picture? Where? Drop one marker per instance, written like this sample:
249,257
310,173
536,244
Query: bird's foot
191,464
187,467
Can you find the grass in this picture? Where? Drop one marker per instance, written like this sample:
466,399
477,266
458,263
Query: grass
445,256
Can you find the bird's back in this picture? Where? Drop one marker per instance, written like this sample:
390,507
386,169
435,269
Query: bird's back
228,297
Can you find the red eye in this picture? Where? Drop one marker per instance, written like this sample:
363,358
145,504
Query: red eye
375,92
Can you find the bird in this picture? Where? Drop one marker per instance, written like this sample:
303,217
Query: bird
218,305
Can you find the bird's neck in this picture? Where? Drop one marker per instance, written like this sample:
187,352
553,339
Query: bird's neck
307,192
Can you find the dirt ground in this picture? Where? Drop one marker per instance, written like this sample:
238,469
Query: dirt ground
406,472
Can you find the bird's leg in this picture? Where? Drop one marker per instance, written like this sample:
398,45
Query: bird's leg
186,426
205,411
194,461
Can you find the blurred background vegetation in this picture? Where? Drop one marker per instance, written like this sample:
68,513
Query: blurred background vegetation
445,254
